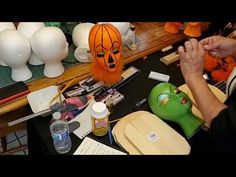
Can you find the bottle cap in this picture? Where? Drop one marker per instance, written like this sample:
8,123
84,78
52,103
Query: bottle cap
56,115
99,110
132,27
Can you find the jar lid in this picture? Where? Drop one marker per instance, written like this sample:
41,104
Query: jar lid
56,115
99,110
132,27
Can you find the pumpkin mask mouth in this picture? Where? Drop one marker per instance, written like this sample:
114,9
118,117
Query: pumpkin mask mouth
112,66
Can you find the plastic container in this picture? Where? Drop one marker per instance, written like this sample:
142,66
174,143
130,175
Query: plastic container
60,134
100,119
39,100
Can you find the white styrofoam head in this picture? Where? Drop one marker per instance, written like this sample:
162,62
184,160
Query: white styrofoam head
15,51
7,26
80,33
123,27
14,48
80,37
49,43
28,28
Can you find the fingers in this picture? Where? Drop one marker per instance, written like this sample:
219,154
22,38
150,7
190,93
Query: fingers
211,43
201,48
188,46
181,51
191,45
194,43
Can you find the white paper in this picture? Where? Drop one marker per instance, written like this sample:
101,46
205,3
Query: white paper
92,147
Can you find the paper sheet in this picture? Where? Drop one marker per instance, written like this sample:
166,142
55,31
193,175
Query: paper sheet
93,147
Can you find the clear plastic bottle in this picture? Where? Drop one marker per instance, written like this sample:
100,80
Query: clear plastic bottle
132,44
60,134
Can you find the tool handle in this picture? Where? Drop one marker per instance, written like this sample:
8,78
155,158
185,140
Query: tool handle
28,117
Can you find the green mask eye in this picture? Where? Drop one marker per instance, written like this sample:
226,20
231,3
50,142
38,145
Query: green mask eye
176,90
163,99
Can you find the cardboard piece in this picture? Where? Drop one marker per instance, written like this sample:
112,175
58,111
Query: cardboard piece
144,133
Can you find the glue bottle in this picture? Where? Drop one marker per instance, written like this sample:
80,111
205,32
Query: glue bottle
100,119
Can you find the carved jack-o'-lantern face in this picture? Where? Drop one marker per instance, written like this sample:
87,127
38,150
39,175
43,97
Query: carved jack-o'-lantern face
106,46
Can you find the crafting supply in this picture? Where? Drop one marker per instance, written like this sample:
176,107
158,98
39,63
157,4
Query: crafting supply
13,91
112,121
126,76
90,146
159,76
75,104
100,119
68,85
139,103
144,133
167,48
170,58
85,121
110,135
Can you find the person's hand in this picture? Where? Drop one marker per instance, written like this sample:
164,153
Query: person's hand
219,46
191,59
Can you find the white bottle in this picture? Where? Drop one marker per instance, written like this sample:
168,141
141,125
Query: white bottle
60,134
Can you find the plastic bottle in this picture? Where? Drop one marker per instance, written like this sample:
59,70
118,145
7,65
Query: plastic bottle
60,134
100,119
132,44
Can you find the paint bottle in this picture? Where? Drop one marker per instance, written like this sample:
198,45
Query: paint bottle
100,119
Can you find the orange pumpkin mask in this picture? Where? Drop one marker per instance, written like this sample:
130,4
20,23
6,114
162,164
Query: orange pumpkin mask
219,69
106,48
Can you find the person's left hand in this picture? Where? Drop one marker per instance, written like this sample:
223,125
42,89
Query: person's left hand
191,59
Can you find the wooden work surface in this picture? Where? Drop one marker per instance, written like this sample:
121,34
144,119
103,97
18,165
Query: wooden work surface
151,38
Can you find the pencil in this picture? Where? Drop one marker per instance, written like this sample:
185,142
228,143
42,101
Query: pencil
62,91
110,134
114,120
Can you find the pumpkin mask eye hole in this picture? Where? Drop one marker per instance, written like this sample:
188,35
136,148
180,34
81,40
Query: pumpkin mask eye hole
115,51
100,54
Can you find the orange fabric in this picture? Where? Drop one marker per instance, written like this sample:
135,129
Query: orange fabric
172,27
220,69
193,29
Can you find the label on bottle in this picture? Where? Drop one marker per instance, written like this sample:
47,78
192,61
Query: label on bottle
100,126
61,136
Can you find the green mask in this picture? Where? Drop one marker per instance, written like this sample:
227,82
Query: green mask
169,103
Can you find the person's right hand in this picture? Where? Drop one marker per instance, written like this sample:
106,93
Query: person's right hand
219,46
